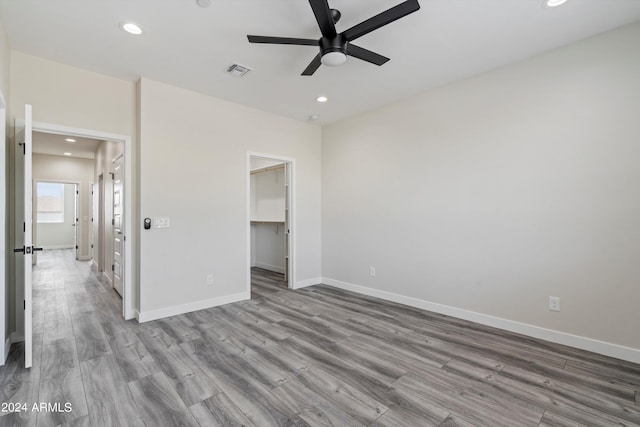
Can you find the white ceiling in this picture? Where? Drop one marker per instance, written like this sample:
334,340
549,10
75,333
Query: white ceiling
55,145
189,46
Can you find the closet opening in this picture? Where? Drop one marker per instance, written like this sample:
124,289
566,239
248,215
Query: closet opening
270,223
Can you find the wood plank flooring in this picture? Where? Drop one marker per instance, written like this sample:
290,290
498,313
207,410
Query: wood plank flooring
313,357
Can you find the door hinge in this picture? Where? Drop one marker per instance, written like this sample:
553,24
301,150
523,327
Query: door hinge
24,304
24,147
24,227
76,247
113,221
113,267
77,191
91,246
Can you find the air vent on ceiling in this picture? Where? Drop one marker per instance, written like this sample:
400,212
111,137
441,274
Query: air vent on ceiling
238,70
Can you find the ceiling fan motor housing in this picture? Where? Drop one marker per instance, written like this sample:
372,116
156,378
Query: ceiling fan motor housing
334,44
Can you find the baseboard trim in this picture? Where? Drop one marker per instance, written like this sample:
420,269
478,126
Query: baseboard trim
55,247
15,337
270,267
108,279
146,316
84,258
558,337
307,282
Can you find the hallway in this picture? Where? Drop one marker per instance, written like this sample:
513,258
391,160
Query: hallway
76,318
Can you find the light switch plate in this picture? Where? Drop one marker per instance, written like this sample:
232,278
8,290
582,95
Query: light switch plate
161,222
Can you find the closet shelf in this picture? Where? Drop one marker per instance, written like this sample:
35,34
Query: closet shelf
266,221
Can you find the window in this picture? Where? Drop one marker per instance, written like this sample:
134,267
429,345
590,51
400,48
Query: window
50,202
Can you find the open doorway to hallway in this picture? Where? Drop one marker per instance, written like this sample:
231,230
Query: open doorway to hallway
86,217
63,172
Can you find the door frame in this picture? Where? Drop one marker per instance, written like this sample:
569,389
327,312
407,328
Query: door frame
291,166
128,308
91,239
4,340
113,227
100,261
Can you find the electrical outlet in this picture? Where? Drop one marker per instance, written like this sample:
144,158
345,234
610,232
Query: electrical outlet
372,271
554,303
209,279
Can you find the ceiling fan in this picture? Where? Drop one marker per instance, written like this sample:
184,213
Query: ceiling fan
334,46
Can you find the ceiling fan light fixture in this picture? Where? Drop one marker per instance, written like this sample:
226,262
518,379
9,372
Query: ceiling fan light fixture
554,3
333,59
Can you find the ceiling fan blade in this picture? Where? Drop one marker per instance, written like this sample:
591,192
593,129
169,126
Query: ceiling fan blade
365,55
382,19
313,66
282,40
323,16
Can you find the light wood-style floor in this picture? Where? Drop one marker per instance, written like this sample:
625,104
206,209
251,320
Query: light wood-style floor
317,356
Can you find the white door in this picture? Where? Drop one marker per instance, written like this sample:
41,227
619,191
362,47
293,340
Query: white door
24,245
287,224
118,226
92,210
76,220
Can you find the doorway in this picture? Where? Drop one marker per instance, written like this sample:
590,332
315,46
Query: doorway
56,218
271,226
123,146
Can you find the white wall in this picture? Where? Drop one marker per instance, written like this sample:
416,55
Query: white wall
257,163
269,244
69,96
68,169
268,195
58,235
491,194
190,173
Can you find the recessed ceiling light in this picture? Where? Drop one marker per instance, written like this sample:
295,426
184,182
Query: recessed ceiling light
131,28
204,3
553,3
322,98
66,153
70,140
313,117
